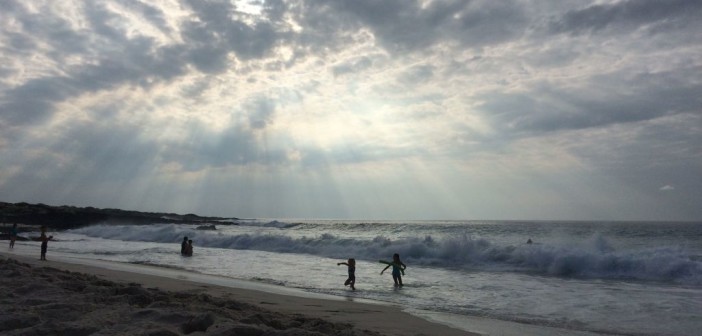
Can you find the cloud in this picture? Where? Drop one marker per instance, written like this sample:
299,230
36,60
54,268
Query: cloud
118,59
217,24
261,111
418,74
352,66
629,15
604,100
412,25
137,61
599,96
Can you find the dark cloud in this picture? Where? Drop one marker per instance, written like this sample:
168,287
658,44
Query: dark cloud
119,59
409,25
629,14
19,44
275,10
100,18
214,34
219,30
38,27
150,13
209,59
33,100
620,99
132,61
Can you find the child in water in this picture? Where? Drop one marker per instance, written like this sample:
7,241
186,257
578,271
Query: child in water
352,272
397,267
189,249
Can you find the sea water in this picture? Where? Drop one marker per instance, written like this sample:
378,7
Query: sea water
620,278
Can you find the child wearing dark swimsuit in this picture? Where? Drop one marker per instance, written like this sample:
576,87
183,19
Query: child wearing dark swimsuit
351,263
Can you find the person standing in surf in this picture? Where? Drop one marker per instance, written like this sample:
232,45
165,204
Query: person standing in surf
184,246
13,235
189,249
397,267
351,263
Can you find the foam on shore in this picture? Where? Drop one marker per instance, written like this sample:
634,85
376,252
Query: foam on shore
84,297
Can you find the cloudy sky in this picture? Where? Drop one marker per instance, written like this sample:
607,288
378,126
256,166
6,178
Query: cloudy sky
363,109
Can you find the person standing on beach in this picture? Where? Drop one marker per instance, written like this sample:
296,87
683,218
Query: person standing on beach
184,246
13,235
351,263
397,267
44,242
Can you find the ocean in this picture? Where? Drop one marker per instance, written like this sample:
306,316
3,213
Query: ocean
589,278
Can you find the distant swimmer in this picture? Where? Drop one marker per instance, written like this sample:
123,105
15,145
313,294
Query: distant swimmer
529,241
397,267
351,263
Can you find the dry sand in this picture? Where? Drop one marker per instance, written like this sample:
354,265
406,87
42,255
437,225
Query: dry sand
59,298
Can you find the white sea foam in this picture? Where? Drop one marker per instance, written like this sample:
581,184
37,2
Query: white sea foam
584,276
590,258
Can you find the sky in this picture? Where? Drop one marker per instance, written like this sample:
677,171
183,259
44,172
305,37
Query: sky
364,109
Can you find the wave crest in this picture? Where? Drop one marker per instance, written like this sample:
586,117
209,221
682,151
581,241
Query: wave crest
593,258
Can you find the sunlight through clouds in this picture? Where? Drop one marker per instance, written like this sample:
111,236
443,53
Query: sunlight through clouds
361,109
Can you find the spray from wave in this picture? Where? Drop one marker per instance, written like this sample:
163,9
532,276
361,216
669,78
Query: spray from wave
593,258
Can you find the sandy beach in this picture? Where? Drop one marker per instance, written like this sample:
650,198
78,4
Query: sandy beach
65,298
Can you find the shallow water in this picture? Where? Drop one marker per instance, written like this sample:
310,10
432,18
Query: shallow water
622,278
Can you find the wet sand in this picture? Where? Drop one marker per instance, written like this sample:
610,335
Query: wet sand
84,297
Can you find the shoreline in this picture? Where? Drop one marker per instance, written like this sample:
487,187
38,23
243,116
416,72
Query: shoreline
363,316
377,316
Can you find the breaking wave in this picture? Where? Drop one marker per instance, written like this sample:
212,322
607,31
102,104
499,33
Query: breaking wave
593,258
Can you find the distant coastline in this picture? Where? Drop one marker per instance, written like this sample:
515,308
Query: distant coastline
68,217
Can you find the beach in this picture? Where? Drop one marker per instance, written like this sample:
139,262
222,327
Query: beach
579,279
61,298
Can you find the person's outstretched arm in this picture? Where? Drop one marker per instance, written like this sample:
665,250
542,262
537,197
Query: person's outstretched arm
341,263
386,267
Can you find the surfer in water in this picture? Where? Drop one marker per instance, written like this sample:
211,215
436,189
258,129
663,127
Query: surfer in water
397,267
351,263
